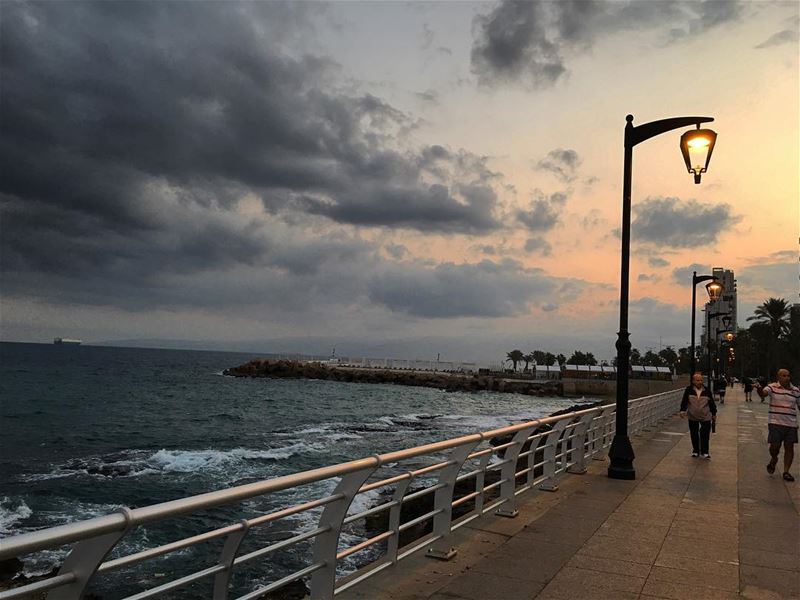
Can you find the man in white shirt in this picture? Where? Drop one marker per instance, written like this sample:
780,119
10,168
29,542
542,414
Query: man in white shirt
784,402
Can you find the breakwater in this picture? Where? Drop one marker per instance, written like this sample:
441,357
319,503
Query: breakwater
453,382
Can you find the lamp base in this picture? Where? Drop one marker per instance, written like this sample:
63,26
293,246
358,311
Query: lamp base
621,456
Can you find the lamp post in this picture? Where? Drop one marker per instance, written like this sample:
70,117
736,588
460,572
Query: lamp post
714,289
696,147
723,357
709,316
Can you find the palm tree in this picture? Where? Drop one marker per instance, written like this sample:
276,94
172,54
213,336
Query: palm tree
775,313
514,357
528,358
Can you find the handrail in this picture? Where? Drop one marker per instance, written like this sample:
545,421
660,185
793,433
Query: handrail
555,445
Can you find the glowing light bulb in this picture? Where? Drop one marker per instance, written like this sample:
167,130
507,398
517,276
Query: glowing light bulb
699,142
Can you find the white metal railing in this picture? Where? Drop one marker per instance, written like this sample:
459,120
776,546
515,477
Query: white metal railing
467,474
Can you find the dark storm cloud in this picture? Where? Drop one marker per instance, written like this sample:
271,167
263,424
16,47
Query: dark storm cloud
429,97
656,261
396,251
780,38
658,313
104,102
683,275
529,41
561,163
434,209
677,223
131,139
778,279
538,245
485,289
543,212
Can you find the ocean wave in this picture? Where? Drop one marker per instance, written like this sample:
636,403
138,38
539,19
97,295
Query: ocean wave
139,463
12,513
68,511
333,432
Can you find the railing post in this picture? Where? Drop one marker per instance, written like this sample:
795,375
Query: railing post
598,431
634,411
443,502
480,482
393,545
84,559
609,427
508,473
580,445
323,581
549,456
226,557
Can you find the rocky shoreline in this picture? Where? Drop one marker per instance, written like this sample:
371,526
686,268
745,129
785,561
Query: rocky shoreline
451,382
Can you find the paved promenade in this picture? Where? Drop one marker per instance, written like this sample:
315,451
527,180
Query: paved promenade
686,528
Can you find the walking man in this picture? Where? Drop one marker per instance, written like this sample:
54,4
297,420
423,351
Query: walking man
722,385
784,402
698,405
748,389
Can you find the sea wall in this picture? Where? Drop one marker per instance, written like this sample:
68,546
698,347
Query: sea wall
636,387
454,382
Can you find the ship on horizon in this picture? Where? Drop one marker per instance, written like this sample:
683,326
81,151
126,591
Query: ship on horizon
67,341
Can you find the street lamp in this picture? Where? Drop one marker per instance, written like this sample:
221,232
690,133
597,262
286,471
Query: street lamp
621,453
709,315
714,289
696,147
727,343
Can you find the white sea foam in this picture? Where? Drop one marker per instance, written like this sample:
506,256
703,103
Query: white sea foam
12,513
331,432
138,463
337,437
190,461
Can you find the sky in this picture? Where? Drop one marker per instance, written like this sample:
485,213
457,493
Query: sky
399,179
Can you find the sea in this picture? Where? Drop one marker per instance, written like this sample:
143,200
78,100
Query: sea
86,430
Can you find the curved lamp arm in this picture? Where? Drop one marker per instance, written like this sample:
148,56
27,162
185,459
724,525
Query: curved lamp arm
701,278
640,133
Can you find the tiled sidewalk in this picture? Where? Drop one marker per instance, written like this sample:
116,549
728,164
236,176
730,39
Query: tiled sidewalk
686,528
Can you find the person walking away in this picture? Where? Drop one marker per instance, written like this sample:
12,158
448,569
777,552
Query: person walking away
722,386
784,402
748,389
698,405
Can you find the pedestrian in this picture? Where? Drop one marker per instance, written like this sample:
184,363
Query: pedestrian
698,405
721,388
748,389
784,402
761,381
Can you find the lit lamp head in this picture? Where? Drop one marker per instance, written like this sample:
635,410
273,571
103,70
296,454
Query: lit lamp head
729,336
714,289
696,147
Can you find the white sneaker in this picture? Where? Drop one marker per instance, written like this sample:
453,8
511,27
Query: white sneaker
706,456
695,454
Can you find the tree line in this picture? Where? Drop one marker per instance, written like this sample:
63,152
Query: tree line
772,341
666,357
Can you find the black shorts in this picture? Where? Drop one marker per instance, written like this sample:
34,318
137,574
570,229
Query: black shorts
781,434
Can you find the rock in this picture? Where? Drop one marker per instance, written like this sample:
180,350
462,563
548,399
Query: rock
296,590
10,568
443,381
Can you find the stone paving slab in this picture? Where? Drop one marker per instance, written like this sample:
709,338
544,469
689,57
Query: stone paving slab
685,528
